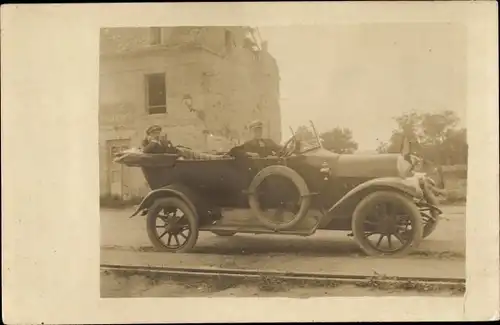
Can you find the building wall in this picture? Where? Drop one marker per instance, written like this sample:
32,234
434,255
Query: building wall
230,85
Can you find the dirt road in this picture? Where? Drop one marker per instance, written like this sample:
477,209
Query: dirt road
124,241
117,230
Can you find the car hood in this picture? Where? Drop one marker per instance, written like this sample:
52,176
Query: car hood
356,165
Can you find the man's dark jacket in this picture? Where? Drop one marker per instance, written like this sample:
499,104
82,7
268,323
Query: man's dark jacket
262,147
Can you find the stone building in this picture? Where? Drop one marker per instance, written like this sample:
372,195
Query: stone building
193,81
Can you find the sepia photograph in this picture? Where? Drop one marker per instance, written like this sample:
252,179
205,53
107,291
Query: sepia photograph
263,162
291,161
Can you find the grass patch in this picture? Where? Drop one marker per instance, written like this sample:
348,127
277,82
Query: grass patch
378,283
439,255
271,284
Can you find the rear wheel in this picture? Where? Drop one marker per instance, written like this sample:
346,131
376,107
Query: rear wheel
387,223
172,226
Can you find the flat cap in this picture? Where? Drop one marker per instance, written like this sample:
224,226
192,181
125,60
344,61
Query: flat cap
255,124
153,128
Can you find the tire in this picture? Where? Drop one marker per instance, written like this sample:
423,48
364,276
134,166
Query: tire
189,218
368,205
298,181
431,224
224,233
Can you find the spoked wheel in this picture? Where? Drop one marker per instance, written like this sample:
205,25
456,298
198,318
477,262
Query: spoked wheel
387,223
172,225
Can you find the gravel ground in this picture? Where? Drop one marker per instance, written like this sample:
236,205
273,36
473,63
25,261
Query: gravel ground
113,286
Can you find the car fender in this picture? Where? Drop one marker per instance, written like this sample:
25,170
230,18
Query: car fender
176,190
407,186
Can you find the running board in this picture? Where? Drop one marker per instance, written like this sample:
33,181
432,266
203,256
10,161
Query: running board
259,230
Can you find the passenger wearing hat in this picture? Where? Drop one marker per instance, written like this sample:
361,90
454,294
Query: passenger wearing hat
155,142
261,146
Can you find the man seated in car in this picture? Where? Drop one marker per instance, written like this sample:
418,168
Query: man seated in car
155,142
258,145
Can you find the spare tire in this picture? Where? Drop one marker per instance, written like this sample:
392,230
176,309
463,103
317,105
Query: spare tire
297,180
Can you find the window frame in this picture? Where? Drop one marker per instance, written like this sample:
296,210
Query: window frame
229,40
147,105
153,38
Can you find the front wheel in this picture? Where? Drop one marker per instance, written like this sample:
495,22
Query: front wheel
172,226
387,223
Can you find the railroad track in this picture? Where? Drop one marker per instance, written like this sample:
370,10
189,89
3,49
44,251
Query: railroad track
376,280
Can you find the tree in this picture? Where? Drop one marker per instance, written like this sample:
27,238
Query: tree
455,146
408,125
339,140
383,147
433,135
303,133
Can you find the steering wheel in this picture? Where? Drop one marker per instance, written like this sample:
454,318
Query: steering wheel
288,147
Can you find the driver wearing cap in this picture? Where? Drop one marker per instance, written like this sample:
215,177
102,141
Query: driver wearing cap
261,146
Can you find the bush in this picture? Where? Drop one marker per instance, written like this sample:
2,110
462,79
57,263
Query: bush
454,168
455,178
455,171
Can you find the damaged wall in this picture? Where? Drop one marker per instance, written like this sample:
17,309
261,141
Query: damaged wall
229,84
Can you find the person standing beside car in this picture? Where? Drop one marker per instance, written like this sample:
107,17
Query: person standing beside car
155,142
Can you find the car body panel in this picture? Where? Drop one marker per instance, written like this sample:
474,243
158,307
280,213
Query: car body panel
308,188
355,165
176,190
222,180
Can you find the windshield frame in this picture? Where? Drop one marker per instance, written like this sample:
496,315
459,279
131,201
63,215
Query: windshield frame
318,143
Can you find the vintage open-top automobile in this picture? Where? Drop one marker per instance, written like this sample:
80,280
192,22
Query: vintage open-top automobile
379,198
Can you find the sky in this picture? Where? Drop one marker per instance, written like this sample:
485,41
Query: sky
361,76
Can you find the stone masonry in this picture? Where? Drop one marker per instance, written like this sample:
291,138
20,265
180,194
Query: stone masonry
228,77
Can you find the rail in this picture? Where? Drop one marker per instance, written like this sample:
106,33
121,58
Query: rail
442,283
